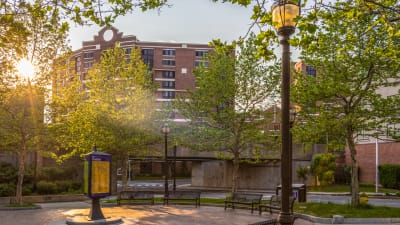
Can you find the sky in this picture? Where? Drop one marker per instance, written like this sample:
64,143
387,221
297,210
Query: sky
186,21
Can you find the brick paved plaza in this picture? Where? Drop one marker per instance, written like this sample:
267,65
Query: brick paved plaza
57,213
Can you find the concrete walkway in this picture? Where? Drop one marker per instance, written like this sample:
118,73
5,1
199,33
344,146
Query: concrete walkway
57,213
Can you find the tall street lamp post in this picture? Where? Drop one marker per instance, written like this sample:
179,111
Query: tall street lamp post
283,14
165,129
174,170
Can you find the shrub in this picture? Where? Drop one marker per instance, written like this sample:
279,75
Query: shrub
51,173
46,187
75,186
323,167
8,173
7,189
27,189
302,173
389,175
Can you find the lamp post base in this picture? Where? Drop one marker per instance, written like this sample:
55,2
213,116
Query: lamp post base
285,218
95,210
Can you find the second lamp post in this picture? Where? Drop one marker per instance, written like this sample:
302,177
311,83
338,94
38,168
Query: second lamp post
165,129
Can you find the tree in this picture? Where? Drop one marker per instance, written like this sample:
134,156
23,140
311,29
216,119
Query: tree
21,125
349,43
115,110
17,32
227,107
354,56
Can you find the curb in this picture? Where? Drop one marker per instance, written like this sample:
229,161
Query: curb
321,220
6,208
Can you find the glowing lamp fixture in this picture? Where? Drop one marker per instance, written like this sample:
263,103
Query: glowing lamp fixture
165,129
284,13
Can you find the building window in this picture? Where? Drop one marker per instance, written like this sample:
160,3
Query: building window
310,70
128,51
168,52
168,62
147,52
147,57
168,94
393,130
168,84
200,63
88,65
88,55
168,74
84,76
78,64
183,71
201,53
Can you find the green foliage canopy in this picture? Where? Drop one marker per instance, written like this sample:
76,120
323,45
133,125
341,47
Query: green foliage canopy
228,106
114,108
355,57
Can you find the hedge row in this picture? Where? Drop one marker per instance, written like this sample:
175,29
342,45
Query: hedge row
50,180
389,176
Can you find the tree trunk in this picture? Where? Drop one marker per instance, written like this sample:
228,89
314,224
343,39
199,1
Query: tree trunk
21,172
355,198
235,172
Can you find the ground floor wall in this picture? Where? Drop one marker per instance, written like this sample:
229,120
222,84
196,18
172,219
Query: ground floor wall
155,168
218,173
388,153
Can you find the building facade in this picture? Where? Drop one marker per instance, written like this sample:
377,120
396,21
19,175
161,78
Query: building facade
172,63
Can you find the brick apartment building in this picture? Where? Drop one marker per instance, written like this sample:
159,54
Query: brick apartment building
172,63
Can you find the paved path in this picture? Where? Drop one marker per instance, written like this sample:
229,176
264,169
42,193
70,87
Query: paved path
57,213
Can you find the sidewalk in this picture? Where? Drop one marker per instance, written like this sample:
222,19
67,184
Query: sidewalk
57,213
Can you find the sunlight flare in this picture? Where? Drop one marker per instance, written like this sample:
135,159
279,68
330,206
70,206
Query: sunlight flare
26,69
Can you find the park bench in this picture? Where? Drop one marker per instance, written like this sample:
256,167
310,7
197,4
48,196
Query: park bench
275,204
135,196
183,197
243,200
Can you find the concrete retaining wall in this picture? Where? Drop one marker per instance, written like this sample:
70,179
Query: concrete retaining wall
218,173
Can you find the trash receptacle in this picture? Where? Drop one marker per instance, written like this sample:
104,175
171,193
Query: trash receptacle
299,191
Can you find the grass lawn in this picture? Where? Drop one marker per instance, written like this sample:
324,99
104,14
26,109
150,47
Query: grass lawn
346,188
327,210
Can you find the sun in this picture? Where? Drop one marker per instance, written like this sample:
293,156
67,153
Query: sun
26,69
